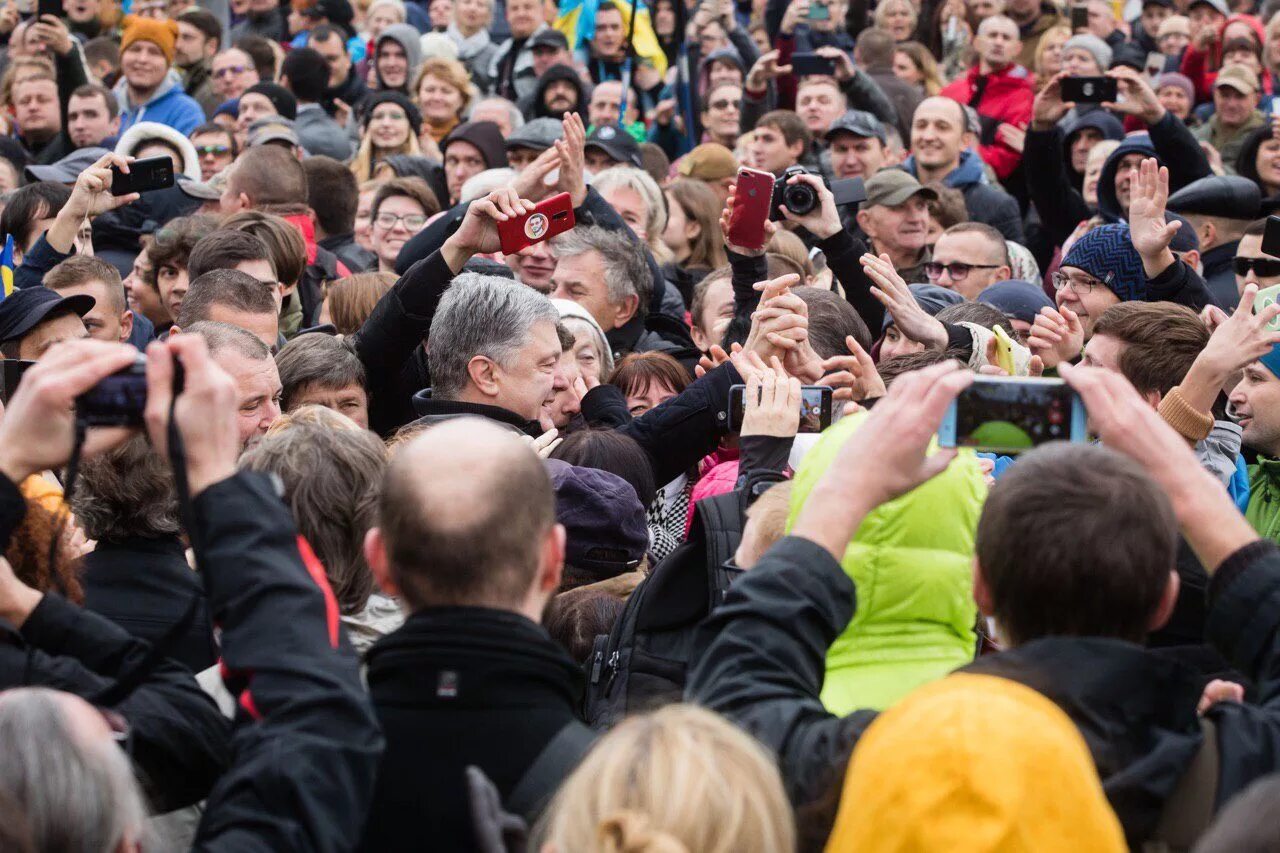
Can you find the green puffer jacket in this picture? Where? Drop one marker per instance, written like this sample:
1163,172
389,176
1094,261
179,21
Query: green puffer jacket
1264,498
912,563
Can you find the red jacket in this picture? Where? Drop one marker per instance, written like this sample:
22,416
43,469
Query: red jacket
1006,99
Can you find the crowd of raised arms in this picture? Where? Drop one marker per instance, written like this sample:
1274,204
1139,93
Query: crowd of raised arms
625,427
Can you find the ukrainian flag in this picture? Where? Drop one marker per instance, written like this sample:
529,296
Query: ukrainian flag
6,266
577,20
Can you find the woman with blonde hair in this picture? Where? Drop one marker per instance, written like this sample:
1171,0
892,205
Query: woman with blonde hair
678,780
390,125
637,199
443,91
915,65
1048,59
898,18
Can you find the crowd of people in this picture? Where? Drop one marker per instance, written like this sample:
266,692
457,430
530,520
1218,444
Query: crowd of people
423,542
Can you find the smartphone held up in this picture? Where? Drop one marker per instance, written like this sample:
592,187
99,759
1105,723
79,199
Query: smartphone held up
1013,414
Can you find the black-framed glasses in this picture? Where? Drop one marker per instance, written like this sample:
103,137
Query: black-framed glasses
1264,267
412,221
1062,281
958,270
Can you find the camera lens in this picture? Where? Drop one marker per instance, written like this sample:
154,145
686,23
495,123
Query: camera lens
799,198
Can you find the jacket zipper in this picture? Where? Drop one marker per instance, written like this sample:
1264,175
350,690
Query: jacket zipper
613,672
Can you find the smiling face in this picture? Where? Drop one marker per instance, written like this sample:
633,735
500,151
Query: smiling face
144,65
439,99
389,127
258,384
233,72
722,113
399,218
938,133
580,278
392,64
1088,297
534,265
1175,100
363,229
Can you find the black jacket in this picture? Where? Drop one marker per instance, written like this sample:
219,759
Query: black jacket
766,656
145,587
345,248
458,686
1220,276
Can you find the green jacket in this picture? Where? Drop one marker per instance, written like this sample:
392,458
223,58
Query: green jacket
912,564
1264,498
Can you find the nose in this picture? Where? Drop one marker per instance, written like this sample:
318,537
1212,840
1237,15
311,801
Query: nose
944,277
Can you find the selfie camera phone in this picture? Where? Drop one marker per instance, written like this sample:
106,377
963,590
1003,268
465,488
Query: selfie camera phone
11,370
151,173
1089,90
1009,415
807,64
49,7
815,408
752,197
552,216
1079,17
819,11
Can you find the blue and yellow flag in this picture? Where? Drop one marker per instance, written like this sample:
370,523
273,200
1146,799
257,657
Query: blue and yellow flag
6,266
577,20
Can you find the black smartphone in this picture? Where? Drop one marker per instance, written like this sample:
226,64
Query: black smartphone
49,7
807,64
1271,237
1089,90
151,173
1079,17
11,370
118,400
815,408
1010,414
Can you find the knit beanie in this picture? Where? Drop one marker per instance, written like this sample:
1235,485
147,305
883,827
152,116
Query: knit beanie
1100,49
1108,255
163,34
400,100
280,97
1271,361
1181,81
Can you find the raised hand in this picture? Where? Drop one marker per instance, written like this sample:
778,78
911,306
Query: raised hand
1056,336
1235,342
893,293
572,178
1150,233
845,69
772,400
1137,96
532,182
853,377
478,233
1048,108
767,68
726,215
824,220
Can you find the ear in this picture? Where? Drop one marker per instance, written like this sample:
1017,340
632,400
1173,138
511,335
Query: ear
126,325
552,560
626,311
1005,272
375,554
1168,600
484,375
864,222
797,150
981,592
1152,398
1191,258
967,139
699,340
284,81
115,126
1208,233
692,229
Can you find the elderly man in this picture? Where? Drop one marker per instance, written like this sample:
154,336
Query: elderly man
896,221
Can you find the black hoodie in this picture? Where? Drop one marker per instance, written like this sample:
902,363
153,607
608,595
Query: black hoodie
1247,167
536,108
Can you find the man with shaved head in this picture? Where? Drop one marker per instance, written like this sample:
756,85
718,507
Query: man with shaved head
467,538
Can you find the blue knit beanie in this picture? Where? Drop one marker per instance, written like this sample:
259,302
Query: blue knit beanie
1271,361
1108,255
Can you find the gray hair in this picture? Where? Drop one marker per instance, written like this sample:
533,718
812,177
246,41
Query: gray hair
513,112
126,492
75,795
626,269
224,336
481,315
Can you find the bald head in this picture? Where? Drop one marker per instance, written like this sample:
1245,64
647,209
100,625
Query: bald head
465,511
998,42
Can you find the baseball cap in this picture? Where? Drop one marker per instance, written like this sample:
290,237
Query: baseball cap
1219,6
23,310
272,129
617,143
549,37
341,13
539,134
892,187
68,169
859,123
1238,77
709,161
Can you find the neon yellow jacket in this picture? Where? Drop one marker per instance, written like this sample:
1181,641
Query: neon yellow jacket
912,563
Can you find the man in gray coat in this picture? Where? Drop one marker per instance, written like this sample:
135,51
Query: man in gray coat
305,73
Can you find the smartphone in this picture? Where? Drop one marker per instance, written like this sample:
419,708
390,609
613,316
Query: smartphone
1011,414
806,64
1079,18
751,200
819,11
118,400
11,370
1271,237
1004,350
1268,296
151,173
552,216
1155,64
48,7
1089,90
815,408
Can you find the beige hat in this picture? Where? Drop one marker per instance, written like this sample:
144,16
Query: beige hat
1239,77
892,187
709,161
1174,25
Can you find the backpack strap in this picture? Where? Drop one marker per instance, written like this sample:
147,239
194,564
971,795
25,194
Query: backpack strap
552,766
1189,809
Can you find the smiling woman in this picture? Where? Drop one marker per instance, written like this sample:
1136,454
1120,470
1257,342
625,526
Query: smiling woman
400,209
391,124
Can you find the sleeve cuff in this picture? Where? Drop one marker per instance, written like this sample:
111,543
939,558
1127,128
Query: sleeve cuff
839,243
1190,423
1232,567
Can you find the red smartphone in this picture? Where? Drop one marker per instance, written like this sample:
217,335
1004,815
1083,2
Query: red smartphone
552,216
751,199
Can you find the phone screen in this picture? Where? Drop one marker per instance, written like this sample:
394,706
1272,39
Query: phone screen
1009,416
815,408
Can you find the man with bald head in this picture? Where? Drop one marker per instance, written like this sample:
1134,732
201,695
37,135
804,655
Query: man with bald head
467,539
941,140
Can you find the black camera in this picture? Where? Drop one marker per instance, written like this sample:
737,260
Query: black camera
121,398
801,199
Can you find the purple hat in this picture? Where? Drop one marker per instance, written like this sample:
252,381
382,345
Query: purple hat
605,521
1183,82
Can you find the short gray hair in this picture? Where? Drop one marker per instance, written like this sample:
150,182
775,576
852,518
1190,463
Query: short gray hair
224,336
74,796
481,315
626,269
513,112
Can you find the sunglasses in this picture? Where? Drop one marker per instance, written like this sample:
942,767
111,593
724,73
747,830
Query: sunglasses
725,103
216,150
230,69
1264,267
957,270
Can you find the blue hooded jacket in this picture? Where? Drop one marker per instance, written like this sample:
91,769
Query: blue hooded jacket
168,105
984,202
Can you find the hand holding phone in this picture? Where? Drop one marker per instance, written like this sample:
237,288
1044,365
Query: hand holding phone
151,173
813,405
550,217
807,64
752,196
1089,90
1010,415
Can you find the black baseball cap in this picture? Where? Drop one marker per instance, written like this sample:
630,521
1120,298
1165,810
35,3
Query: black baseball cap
859,123
549,37
23,310
617,143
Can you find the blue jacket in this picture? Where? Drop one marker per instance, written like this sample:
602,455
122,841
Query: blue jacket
985,202
169,105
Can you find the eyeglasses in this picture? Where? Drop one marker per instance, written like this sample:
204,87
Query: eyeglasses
230,69
216,150
412,221
725,103
957,270
1264,267
1061,281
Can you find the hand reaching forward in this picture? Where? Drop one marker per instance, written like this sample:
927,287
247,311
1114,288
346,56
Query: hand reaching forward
1056,336
893,293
